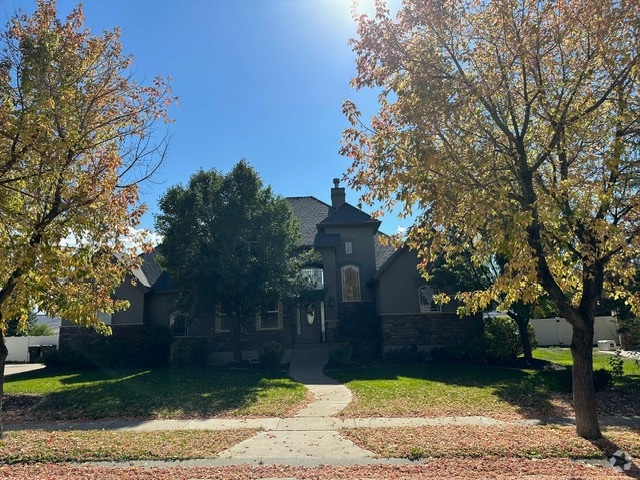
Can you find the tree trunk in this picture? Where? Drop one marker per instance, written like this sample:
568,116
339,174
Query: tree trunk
584,395
237,344
523,323
4,353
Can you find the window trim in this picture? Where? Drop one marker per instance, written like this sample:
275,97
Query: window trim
172,318
105,318
218,323
432,307
313,270
278,312
356,269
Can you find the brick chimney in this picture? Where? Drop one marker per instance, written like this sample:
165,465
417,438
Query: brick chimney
338,197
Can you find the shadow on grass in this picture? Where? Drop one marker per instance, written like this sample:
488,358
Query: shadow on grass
609,449
160,393
531,392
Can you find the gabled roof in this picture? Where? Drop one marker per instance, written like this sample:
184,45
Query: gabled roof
310,212
349,215
150,274
384,250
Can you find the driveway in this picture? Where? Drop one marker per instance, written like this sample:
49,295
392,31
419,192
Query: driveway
15,368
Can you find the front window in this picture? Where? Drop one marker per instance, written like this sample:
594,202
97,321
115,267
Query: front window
350,283
104,318
313,278
178,324
271,319
223,321
427,304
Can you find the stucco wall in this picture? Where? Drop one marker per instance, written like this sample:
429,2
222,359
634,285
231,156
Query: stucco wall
135,313
363,256
397,286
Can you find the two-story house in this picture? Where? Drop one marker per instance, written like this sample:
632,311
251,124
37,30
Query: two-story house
358,283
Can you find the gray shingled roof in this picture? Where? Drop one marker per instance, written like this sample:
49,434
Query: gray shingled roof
383,249
310,212
348,215
150,274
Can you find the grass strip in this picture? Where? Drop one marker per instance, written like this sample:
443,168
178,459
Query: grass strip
38,446
507,441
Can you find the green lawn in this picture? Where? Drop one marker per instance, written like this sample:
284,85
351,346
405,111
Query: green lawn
562,356
434,390
157,393
450,390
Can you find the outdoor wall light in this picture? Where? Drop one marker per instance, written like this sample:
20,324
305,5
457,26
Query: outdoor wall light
332,302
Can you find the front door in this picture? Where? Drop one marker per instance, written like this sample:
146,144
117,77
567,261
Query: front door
309,322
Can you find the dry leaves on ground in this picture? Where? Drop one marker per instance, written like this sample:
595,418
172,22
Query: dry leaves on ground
441,469
101,445
507,441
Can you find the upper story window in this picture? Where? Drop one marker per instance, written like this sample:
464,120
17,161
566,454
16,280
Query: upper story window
350,283
348,248
178,324
313,278
427,304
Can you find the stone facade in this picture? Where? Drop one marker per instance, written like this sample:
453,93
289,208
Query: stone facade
427,330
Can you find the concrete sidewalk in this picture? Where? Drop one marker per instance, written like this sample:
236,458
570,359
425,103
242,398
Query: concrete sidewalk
15,368
312,436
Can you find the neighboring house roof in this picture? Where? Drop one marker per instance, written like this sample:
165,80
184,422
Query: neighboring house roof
53,322
310,212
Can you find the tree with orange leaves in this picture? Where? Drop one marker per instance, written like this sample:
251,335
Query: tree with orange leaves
77,136
511,128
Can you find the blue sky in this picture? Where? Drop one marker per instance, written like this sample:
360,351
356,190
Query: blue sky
257,79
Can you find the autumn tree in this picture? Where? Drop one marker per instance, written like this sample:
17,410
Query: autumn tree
514,123
228,245
76,138
466,275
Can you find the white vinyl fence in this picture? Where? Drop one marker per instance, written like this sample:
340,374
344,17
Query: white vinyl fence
19,346
557,331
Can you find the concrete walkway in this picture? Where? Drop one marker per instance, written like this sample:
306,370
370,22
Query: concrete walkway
311,433
310,437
